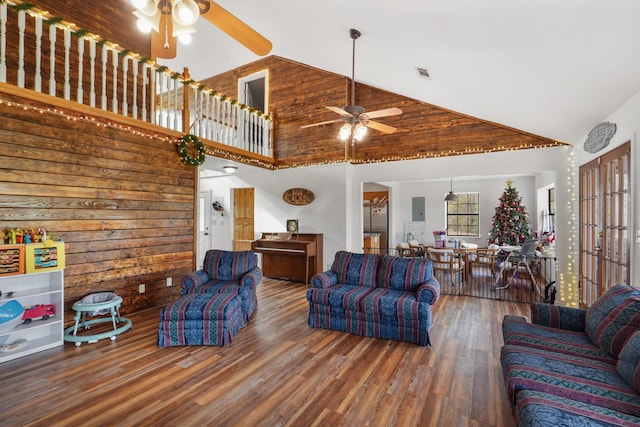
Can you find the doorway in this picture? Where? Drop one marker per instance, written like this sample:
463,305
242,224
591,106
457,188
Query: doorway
604,223
253,90
204,224
243,219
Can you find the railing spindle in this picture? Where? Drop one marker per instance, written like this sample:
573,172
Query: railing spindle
104,59
135,88
21,27
38,73
114,101
3,42
125,71
52,60
152,91
92,60
145,87
67,49
80,94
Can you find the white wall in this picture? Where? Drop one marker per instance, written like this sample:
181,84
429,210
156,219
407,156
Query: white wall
326,214
489,188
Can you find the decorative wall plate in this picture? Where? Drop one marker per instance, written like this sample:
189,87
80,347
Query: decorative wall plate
298,196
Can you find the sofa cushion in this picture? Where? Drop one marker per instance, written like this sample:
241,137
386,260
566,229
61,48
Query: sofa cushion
588,381
393,305
344,296
404,274
356,269
516,331
613,318
539,409
629,362
558,316
227,265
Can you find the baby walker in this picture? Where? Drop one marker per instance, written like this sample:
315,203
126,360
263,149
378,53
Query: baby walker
97,304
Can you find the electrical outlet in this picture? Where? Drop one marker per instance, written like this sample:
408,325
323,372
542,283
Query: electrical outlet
141,288
169,281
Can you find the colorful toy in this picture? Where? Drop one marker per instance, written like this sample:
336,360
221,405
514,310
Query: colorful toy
10,315
38,312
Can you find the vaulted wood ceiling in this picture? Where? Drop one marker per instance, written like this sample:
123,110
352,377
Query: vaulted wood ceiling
298,95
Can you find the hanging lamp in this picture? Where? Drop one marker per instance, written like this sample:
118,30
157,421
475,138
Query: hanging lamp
451,196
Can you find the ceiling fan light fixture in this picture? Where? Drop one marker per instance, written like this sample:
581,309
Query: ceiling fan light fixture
148,21
185,39
345,132
360,132
185,12
180,30
140,4
146,7
144,26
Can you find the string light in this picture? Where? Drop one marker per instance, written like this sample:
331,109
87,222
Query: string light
568,289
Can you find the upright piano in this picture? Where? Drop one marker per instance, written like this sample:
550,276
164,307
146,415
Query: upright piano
290,256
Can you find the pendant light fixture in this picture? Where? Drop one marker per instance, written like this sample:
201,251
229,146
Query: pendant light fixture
451,196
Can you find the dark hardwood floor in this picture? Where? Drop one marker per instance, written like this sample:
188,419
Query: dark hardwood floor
277,371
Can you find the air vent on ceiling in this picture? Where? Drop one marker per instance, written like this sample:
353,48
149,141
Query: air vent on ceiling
423,72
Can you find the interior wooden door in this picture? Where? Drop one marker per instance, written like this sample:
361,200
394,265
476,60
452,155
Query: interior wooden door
604,223
243,218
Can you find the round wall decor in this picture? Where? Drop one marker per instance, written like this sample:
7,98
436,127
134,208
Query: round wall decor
298,196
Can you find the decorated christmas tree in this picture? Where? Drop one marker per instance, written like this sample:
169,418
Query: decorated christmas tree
510,225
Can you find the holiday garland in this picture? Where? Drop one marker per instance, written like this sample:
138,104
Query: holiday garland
184,154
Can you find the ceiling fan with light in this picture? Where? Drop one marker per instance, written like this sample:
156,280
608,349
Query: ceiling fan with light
356,119
168,20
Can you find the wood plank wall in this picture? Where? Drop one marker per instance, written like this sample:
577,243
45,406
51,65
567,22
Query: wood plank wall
122,201
299,93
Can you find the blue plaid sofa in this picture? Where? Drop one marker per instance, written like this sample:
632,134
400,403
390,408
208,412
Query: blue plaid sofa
375,296
575,367
224,272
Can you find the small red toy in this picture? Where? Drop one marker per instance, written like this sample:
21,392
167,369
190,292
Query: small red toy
37,312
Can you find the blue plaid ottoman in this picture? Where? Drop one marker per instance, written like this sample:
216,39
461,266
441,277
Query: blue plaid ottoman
201,319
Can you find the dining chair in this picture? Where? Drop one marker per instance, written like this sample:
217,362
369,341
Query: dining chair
485,259
448,261
417,249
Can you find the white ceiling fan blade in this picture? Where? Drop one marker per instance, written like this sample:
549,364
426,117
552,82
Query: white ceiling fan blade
384,113
339,111
320,123
380,127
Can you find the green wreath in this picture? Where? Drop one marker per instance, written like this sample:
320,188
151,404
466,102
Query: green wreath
184,154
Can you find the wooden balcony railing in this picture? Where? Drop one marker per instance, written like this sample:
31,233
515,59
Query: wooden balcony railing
48,55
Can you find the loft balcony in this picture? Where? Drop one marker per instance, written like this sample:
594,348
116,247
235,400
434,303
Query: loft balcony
53,58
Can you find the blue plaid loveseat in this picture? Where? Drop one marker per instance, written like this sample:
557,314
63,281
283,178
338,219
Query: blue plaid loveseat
575,367
227,272
375,296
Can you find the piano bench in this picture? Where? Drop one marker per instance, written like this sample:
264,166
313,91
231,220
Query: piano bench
201,319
